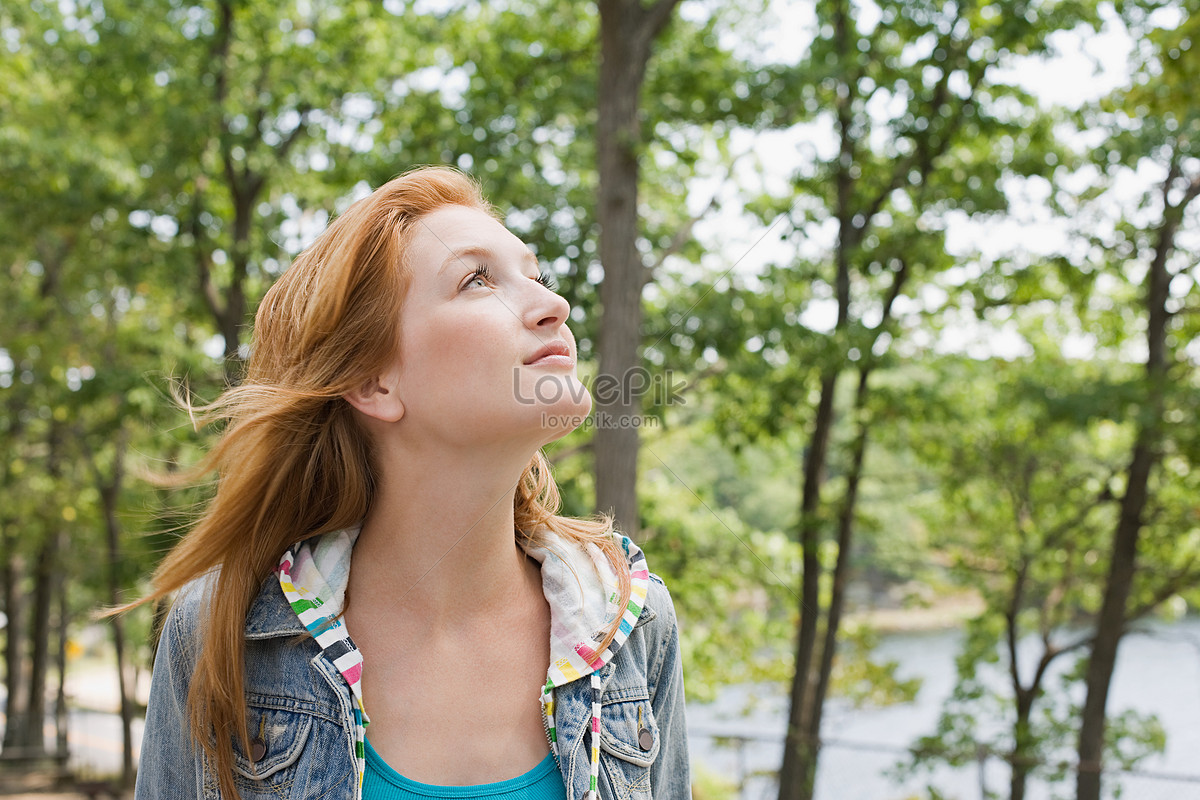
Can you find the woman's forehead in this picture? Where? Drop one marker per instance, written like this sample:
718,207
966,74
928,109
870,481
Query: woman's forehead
453,234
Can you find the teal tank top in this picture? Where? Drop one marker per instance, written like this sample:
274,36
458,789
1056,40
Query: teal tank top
381,782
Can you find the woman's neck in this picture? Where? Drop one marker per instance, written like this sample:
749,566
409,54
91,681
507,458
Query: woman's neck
439,539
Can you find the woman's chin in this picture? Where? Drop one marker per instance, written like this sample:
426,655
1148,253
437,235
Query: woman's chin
556,426
561,418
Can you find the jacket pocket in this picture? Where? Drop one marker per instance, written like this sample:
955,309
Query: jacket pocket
629,743
277,738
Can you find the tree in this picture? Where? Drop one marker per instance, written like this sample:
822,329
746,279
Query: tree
1151,122
627,33
921,127
85,317
36,274
237,112
1025,455
1126,286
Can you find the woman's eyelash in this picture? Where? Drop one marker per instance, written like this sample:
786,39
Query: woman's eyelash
485,272
480,271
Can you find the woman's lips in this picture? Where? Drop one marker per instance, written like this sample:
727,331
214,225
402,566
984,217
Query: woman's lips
552,361
554,354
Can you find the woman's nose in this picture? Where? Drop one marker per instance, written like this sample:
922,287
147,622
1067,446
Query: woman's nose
547,310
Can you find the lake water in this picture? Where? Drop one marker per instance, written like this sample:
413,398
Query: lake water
1158,671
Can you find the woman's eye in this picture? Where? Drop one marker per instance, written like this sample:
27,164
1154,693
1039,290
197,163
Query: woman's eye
547,280
481,276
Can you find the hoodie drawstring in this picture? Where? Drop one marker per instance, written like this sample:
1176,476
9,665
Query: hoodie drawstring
593,792
594,774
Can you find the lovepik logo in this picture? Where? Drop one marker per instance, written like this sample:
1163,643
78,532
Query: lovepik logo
661,388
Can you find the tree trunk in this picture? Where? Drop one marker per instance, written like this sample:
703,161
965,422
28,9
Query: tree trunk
124,689
627,32
1122,566
1111,622
47,579
60,701
1024,753
27,697
797,775
845,538
14,661
45,592
841,569
1021,747
109,496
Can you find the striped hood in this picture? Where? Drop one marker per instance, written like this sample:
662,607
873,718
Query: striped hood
314,575
579,584
583,592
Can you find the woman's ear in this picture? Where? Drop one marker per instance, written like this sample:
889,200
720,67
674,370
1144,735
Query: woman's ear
378,399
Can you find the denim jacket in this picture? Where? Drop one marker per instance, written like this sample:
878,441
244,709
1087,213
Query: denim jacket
302,712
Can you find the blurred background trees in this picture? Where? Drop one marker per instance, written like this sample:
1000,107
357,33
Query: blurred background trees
890,314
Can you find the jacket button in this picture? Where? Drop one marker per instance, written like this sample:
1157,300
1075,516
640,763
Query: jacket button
258,749
645,739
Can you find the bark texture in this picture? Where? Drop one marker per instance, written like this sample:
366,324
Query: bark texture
627,34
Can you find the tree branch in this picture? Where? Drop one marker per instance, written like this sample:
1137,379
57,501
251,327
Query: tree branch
681,238
656,17
1192,192
1010,619
303,110
899,278
1082,641
1056,534
562,455
208,290
1182,579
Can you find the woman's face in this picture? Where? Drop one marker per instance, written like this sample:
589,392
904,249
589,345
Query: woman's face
485,352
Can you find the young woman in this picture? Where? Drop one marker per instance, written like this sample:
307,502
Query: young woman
380,601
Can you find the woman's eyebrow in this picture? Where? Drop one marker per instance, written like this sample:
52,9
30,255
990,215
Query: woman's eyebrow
462,253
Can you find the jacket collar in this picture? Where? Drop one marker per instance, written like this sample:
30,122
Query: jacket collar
270,615
321,568
578,584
